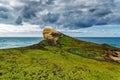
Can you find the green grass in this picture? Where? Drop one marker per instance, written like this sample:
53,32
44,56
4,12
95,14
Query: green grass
18,64
86,49
71,61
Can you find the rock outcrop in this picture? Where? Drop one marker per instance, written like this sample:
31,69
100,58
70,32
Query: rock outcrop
114,55
52,36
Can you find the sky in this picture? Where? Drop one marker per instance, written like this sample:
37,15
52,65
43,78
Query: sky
77,18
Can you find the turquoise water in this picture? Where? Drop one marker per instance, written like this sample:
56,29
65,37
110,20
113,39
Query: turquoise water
11,42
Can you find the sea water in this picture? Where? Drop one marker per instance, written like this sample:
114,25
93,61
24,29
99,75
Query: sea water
113,41
12,42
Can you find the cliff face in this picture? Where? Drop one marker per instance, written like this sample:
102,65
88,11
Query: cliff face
86,49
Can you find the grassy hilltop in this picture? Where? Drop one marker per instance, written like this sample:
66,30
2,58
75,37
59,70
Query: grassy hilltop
69,59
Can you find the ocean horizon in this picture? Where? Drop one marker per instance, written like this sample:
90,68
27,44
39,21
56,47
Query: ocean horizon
13,42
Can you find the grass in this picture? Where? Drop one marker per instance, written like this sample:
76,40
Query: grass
16,64
69,61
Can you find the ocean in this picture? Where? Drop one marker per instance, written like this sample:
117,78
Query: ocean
113,41
12,42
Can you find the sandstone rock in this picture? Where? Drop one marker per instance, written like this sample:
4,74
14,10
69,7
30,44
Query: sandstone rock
52,36
114,55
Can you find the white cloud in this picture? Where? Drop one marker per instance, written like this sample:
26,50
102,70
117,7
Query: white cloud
28,30
19,28
7,30
12,3
15,3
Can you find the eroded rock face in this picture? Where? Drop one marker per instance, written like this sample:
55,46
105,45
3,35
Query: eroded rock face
52,36
114,55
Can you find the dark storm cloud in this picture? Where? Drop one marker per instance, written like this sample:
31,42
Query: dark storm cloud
51,18
3,9
71,14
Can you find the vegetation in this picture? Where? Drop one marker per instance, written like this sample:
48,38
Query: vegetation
70,59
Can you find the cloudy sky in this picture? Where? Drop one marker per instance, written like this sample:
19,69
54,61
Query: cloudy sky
83,18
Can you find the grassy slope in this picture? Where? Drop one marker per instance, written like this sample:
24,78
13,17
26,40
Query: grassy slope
57,62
